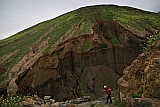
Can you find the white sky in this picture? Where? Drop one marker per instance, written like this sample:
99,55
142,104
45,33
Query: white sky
17,15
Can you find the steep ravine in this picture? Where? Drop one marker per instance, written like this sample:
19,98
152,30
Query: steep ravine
74,69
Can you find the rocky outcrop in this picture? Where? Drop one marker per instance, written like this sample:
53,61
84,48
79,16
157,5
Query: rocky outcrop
80,65
25,63
142,79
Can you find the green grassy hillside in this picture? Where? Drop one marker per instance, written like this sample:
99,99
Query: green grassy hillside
69,25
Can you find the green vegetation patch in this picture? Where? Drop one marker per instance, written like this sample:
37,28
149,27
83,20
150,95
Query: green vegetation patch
114,39
11,101
150,40
87,45
136,95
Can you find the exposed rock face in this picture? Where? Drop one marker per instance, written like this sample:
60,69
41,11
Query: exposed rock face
142,78
81,65
2,70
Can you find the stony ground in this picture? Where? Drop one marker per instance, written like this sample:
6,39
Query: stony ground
85,101
29,102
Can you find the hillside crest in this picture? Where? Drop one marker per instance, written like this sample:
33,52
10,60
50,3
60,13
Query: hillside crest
78,46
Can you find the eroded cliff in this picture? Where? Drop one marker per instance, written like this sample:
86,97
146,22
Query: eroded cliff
80,65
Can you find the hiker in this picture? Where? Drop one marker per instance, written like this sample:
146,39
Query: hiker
108,91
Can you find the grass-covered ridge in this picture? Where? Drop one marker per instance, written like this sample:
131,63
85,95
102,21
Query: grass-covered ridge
69,25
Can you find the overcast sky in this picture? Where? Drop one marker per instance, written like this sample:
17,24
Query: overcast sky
17,15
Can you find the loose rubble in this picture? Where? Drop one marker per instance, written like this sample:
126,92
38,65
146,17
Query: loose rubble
47,101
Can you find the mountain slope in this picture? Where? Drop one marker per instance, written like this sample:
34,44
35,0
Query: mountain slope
120,30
